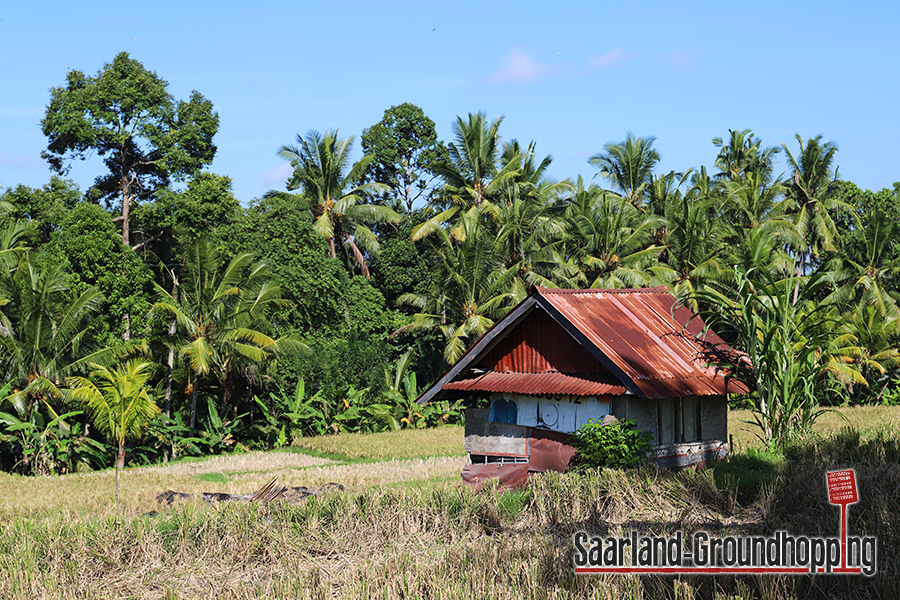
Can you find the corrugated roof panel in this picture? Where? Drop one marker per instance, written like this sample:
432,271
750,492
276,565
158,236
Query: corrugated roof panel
539,384
637,330
539,344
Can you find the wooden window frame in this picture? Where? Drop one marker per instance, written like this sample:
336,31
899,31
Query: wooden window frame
678,436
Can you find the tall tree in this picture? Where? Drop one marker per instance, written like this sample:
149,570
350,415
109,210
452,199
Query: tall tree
870,279
742,155
126,115
405,148
334,194
88,244
609,242
813,188
472,287
473,172
45,207
221,319
629,166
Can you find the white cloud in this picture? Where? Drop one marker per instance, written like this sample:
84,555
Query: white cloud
518,67
20,161
680,59
278,175
610,58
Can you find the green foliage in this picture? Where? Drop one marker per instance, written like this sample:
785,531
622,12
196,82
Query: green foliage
289,416
400,397
117,400
472,173
334,194
788,337
216,436
45,329
405,149
166,439
46,207
335,362
51,446
473,287
175,218
628,165
616,445
320,294
88,243
126,115
221,319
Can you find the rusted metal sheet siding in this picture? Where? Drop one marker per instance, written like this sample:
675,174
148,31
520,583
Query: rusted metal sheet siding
510,476
636,330
537,345
549,451
537,384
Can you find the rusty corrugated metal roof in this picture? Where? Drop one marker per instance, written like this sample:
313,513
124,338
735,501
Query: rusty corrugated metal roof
653,345
538,344
537,384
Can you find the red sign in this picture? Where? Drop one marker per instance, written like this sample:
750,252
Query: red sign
842,487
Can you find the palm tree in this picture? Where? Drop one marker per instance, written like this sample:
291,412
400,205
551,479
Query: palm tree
609,243
472,175
528,215
334,195
12,244
44,338
220,315
118,403
813,188
867,279
742,156
694,247
473,288
865,348
629,166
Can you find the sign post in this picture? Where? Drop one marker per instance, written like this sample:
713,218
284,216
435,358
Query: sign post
842,490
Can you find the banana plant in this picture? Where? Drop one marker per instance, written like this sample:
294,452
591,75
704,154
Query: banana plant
52,447
217,437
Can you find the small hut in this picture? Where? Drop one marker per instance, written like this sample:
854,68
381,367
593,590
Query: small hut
563,357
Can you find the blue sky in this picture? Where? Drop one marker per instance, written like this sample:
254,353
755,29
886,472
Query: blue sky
570,75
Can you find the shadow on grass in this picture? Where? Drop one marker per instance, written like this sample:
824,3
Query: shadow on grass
750,472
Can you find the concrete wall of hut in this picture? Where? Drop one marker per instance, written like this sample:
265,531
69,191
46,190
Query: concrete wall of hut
644,412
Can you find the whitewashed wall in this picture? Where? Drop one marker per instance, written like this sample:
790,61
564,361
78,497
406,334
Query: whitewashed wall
564,414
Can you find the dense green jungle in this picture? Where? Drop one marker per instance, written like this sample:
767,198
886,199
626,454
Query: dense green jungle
154,315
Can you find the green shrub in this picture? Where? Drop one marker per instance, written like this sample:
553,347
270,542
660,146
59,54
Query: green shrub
619,444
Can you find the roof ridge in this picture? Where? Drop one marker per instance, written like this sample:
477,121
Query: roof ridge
592,291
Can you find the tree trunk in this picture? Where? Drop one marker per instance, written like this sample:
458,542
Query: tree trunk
120,464
126,209
126,235
193,404
170,361
226,395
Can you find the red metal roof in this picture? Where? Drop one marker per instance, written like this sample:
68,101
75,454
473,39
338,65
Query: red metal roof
537,384
653,343
538,344
649,346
